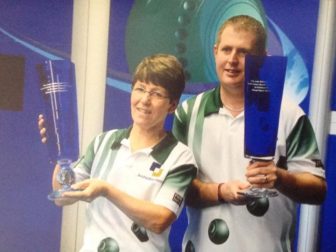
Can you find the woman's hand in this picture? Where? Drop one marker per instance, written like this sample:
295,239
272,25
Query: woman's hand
42,128
87,190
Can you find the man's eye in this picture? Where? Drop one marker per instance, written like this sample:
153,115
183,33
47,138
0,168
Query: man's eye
242,53
226,50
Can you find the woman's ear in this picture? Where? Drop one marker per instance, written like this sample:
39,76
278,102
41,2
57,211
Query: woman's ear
173,106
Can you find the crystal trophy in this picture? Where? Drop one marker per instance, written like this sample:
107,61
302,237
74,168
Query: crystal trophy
58,88
264,82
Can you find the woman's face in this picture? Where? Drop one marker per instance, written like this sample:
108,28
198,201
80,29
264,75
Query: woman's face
150,105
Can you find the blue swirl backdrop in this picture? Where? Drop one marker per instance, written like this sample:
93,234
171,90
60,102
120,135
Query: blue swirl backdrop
187,29
36,30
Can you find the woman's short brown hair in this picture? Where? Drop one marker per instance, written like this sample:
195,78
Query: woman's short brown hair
163,70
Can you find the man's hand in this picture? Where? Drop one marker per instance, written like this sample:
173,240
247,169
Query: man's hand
231,192
203,194
262,174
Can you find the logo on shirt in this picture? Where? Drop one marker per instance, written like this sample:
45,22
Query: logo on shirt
318,163
177,199
156,169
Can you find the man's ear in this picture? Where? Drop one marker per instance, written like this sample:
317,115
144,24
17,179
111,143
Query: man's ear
215,48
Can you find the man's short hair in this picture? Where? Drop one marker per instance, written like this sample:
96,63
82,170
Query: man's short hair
249,24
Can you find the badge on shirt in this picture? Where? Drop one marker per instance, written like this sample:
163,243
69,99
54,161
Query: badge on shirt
177,199
156,169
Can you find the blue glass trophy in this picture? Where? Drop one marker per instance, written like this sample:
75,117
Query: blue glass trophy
58,88
264,82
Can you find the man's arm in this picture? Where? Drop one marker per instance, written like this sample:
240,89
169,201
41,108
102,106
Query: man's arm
301,187
202,194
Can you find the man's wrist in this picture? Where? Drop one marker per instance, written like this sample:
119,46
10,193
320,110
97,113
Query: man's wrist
280,173
219,197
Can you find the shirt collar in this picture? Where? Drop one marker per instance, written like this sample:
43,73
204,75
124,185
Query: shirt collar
213,102
159,152
119,136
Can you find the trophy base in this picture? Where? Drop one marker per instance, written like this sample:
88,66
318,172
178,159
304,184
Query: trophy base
58,194
255,193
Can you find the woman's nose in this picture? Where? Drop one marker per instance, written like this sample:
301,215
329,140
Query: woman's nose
146,97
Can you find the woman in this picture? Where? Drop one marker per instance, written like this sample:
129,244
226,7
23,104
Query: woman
136,178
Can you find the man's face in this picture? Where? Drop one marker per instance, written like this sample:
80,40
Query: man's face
230,56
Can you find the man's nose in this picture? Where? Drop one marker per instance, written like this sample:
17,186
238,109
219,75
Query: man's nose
233,57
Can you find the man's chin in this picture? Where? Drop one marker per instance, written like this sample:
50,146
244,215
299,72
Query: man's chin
233,82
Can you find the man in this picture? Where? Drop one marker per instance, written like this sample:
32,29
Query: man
220,217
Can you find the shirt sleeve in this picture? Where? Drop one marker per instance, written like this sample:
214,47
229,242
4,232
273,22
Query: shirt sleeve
83,166
180,127
302,150
302,153
178,179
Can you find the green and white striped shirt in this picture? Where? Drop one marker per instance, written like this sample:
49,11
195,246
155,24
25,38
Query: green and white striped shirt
160,174
217,141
